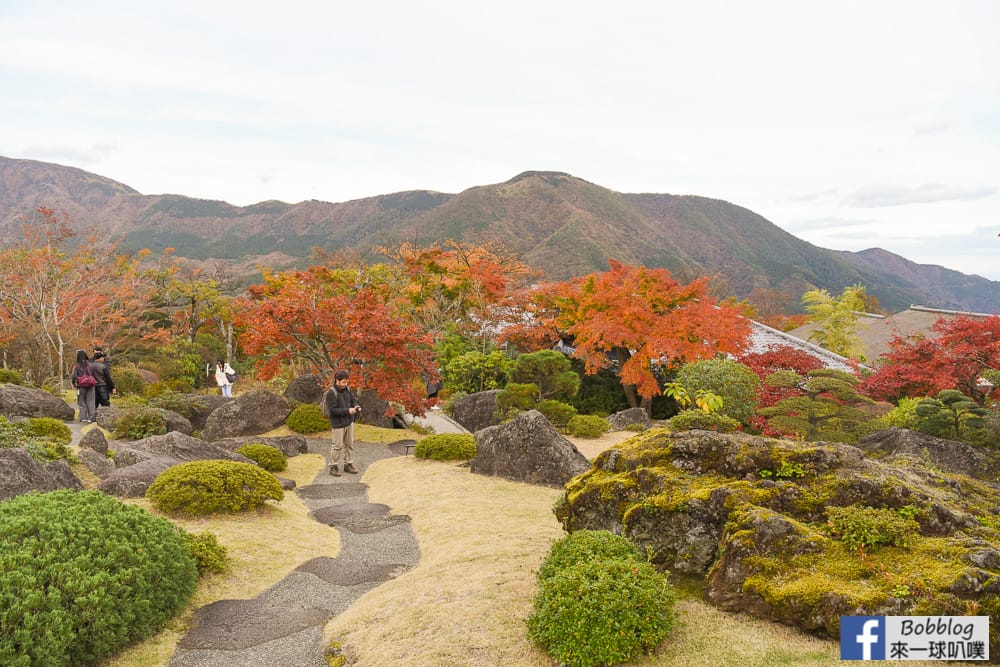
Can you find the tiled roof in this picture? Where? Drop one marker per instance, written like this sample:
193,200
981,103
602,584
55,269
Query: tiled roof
763,337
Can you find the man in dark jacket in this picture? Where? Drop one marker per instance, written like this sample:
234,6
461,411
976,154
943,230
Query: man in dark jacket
343,409
102,373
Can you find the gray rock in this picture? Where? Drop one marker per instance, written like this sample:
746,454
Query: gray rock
132,481
97,463
527,449
183,447
373,409
252,413
476,411
305,389
290,445
19,474
109,416
16,400
620,420
949,455
95,440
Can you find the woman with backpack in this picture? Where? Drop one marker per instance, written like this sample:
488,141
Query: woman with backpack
83,379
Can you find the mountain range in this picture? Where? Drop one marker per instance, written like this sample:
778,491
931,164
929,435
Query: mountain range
555,222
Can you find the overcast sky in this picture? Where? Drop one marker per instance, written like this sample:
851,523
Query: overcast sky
849,124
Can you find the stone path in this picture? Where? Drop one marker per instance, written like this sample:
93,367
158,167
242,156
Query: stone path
283,626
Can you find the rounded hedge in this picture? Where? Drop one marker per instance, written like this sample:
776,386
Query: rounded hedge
208,553
207,487
699,419
583,545
446,447
307,418
48,427
140,422
557,412
602,612
83,574
587,426
267,457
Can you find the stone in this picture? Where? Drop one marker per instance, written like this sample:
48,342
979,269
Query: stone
109,416
621,420
476,411
97,463
290,445
373,410
18,401
132,481
20,473
527,449
182,447
305,389
252,413
948,455
95,440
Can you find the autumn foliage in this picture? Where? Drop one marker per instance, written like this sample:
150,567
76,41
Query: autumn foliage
778,358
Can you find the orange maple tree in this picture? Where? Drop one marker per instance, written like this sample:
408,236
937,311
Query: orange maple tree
637,320
319,317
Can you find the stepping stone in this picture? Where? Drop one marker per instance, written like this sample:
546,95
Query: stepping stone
330,491
334,513
338,572
238,624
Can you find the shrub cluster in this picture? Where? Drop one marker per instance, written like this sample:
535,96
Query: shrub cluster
599,602
307,418
699,419
864,529
207,487
44,438
186,405
83,574
10,376
209,555
587,426
267,457
557,412
446,447
138,423
128,380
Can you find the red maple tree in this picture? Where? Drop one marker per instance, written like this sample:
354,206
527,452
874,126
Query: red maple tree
778,358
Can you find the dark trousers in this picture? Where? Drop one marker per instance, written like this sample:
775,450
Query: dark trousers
102,396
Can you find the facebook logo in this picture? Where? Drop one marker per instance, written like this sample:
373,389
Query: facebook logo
862,637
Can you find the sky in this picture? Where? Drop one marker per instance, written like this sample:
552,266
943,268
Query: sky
851,125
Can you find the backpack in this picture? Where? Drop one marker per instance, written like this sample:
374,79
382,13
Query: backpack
85,378
323,405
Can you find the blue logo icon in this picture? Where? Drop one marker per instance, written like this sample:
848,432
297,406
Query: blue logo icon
862,638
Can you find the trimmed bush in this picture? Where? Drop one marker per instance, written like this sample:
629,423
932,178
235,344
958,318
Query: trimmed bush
267,457
44,438
517,397
583,545
186,405
83,574
602,612
587,426
128,380
139,423
446,447
206,487
307,418
557,412
48,427
10,376
699,419
209,555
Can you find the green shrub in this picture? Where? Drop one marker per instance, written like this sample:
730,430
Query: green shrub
206,487
83,574
128,380
602,612
267,457
557,412
446,447
864,529
48,427
186,405
733,382
587,426
307,418
517,397
209,555
44,438
10,376
686,420
583,545
139,423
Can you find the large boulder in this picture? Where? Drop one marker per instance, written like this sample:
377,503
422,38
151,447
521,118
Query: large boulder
175,445
109,416
18,401
622,420
94,440
305,389
752,516
19,474
895,444
290,445
476,411
97,463
202,405
252,413
527,449
373,409
132,481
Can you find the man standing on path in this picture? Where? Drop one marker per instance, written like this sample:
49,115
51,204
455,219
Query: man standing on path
342,408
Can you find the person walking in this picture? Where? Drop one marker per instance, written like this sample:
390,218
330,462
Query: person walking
84,381
342,408
102,373
224,375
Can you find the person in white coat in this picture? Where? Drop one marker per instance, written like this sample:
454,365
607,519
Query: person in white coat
223,374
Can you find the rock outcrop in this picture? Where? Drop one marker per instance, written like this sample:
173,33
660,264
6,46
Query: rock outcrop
476,411
18,401
20,473
252,413
622,420
527,449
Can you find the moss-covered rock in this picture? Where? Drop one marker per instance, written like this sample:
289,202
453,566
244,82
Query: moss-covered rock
750,515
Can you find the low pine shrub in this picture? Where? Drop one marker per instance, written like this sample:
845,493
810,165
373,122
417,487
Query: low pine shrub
44,438
557,412
583,545
307,418
83,574
128,380
10,376
686,420
446,447
587,426
209,555
207,487
186,405
139,423
602,612
48,427
267,457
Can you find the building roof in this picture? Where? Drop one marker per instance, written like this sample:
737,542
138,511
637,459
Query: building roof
763,337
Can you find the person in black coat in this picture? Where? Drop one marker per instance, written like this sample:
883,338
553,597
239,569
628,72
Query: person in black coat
342,408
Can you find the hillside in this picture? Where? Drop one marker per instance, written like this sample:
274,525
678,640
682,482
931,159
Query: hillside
558,223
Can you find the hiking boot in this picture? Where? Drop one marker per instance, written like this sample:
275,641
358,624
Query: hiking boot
349,468
334,471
